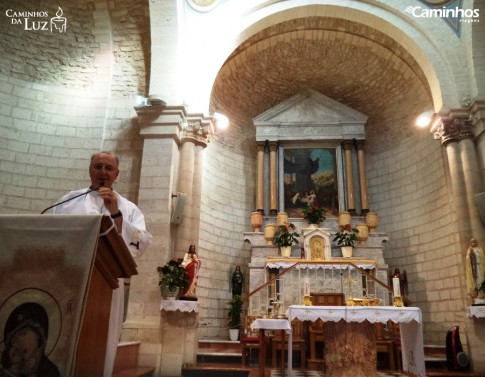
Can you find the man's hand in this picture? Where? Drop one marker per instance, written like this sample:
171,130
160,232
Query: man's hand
110,199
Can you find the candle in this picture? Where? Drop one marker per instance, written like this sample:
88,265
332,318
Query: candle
396,287
306,286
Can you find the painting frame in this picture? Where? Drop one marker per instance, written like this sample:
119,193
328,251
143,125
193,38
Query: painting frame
310,174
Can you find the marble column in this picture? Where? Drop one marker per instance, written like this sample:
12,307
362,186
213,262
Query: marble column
348,147
260,179
362,176
273,197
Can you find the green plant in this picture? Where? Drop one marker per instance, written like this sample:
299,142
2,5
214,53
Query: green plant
173,275
346,236
235,310
285,235
314,215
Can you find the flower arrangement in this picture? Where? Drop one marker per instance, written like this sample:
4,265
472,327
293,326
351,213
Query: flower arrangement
314,215
286,235
173,275
346,236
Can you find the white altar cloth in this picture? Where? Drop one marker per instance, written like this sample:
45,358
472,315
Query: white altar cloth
476,311
314,264
181,305
409,319
271,324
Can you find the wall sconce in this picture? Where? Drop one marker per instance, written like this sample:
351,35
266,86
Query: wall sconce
424,119
222,122
155,100
141,100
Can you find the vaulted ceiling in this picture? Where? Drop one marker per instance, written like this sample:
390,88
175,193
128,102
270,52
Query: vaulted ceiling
354,64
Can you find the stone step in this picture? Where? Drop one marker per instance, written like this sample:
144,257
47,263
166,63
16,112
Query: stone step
126,362
207,370
223,346
135,372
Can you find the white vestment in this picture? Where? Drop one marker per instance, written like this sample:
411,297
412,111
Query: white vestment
137,239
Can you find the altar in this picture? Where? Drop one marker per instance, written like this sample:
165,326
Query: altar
350,341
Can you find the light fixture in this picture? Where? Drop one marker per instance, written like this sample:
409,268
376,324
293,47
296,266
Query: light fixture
424,119
140,100
222,122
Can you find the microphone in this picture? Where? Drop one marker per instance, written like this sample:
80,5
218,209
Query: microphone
101,184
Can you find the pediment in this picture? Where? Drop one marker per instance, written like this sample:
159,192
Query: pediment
310,107
310,115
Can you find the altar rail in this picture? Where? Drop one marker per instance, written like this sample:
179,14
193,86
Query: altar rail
355,279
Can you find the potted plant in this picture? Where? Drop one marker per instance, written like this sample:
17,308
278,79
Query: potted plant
285,237
173,277
314,214
346,238
235,310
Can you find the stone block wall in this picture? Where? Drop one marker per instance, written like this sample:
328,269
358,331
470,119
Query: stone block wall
409,188
227,202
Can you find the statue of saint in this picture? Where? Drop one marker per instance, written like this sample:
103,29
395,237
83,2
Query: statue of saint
237,282
475,272
191,263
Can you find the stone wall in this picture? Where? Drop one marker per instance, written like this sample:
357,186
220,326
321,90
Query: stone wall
66,95
228,195
409,188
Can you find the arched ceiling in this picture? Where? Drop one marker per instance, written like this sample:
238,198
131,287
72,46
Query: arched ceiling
354,64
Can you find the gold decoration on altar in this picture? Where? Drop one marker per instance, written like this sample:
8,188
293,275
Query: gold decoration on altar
398,302
317,248
363,301
307,301
350,281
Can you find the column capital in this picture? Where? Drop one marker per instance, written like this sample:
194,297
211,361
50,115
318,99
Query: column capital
198,129
477,115
273,146
260,147
159,122
360,145
451,129
348,144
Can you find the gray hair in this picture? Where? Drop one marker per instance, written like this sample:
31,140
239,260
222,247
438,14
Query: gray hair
106,152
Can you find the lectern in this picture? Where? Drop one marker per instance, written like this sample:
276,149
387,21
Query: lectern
59,272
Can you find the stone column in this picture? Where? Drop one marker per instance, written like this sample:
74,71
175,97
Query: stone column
362,176
260,179
348,146
456,135
184,236
164,51
273,197
160,128
194,139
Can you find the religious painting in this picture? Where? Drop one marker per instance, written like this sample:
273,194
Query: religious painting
30,333
44,274
310,179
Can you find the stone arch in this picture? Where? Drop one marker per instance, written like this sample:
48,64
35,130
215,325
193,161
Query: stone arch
416,38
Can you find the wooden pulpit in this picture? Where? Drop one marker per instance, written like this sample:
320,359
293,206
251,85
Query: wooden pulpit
59,272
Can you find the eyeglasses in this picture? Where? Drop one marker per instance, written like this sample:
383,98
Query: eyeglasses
108,168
